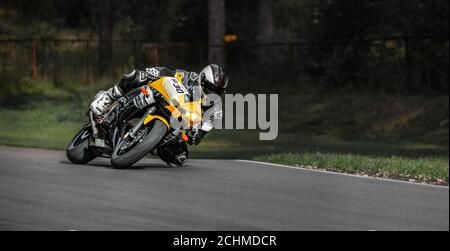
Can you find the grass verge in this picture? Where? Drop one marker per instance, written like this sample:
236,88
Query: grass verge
433,170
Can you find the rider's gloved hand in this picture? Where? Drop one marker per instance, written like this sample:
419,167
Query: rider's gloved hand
197,137
145,98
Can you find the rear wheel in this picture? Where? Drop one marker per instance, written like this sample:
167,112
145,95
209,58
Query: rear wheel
129,151
78,151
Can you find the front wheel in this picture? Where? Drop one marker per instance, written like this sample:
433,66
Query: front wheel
78,151
128,152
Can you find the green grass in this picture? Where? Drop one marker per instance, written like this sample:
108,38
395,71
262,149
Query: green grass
38,114
244,144
44,125
425,169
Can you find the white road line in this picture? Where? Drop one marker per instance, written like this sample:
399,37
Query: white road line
341,174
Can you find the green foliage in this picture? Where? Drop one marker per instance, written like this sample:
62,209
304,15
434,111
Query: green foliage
430,169
396,66
349,116
333,53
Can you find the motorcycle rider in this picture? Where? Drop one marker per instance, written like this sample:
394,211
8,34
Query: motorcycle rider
212,81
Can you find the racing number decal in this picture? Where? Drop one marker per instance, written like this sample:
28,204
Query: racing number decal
178,87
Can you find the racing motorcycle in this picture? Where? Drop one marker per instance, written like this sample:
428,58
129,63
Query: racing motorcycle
126,134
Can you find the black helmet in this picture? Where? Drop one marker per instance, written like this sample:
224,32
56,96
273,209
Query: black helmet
213,79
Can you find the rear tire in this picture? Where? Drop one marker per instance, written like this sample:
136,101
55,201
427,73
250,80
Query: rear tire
142,148
78,151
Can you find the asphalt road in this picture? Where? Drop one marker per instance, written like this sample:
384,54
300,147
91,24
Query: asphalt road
40,190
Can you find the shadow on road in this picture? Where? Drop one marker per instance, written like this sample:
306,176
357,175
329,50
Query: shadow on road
138,166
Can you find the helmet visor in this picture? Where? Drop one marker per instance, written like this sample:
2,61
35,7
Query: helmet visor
217,88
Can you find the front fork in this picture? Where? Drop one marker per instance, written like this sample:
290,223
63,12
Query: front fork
138,126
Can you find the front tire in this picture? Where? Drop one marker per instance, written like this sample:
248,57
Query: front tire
78,151
120,159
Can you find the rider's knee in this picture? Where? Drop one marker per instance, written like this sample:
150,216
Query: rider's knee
175,153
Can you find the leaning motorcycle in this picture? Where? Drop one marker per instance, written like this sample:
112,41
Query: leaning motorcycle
126,134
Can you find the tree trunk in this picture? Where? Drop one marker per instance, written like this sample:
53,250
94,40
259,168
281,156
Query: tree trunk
265,21
216,27
106,32
266,30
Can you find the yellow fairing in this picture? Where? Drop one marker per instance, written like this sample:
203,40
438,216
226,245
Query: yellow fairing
150,118
158,85
191,111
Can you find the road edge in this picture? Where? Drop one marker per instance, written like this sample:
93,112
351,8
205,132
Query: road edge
342,174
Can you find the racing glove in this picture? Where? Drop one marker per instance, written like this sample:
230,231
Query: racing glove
144,98
197,137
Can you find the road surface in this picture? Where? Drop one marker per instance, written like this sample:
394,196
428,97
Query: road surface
41,190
